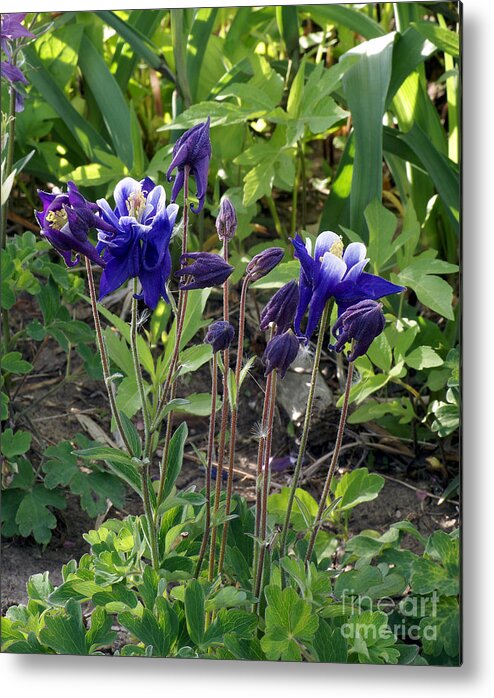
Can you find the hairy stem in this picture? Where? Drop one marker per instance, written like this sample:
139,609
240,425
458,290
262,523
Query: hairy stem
233,420
148,511
265,487
209,464
334,462
224,420
306,427
181,309
104,356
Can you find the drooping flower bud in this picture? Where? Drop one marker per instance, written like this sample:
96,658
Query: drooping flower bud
207,269
264,262
193,150
220,335
226,222
280,310
65,222
360,323
280,353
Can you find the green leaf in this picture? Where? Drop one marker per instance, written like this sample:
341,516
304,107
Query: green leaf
15,444
88,138
423,357
64,630
289,620
110,100
441,629
336,14
356,487
370,76
175,458
132,435
382,225
198,404
33,515
434,292
197,44
370,639
155,631
100,634
14,363
445,39
329,644
194,611
194,357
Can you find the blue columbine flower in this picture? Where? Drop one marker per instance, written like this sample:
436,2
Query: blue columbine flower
193,149
220,335
360,323
280,309
65,222
280,353
11,28
207,270
335,272
142,227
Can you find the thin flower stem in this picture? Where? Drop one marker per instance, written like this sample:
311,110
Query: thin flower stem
333,464
224,419
164,457
265,486
138,370
280,228
209,463
233,420
260,457
104,357
306,428
181,309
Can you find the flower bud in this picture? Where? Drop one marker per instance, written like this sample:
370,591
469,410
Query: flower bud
192,150
264,262
280,353
226,222
280,310
207,269
220,335
360,323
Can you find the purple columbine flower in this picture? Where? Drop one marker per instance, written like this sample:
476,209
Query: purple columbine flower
11,28
280,353
193,149
360,323
65,222
137,245
207,269
220,335
226,222
264,262
280,310
336,272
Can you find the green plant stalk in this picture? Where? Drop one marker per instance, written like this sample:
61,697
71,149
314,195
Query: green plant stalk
333,464
138,371
224,419
452,97
233,419
104,356
280,229
148,512
306,428
265,474
180,53
180,320
209,464
304,184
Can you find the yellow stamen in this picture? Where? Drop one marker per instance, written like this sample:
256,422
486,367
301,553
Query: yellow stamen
337,249
136,203
57,219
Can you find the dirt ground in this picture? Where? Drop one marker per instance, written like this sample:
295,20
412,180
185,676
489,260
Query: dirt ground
59,410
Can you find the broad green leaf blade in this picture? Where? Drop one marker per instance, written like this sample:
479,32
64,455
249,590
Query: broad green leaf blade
194,611
349,17
197,44
109,98
369,77
89,139
445,39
